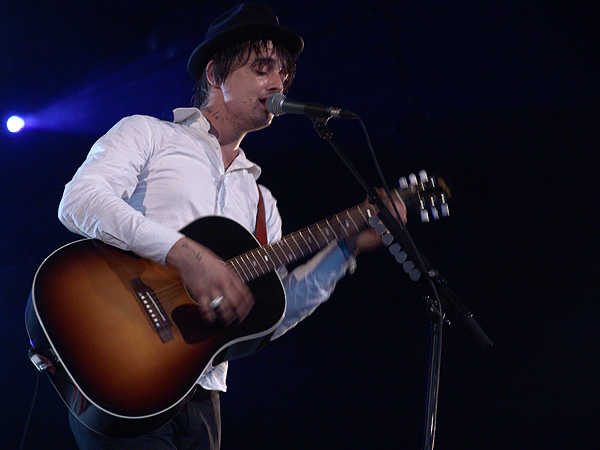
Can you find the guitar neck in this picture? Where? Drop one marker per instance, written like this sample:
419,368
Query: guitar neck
302,243
305,242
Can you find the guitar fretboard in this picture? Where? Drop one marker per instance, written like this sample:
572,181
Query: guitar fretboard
295,246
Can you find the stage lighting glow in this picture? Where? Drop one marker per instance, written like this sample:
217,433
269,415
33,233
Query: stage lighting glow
15,124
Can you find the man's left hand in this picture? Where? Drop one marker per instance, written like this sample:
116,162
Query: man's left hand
368,240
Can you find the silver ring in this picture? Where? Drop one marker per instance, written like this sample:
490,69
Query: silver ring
216,302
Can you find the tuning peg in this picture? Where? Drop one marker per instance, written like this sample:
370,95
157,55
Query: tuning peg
387,238
415,274
412,179
423,176
373,221
403,182
408,266
401,257
435,213
424,216
395,249
380,228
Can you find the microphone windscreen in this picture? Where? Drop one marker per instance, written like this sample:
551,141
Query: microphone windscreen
275,104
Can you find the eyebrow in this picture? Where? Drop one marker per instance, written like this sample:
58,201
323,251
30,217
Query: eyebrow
264,61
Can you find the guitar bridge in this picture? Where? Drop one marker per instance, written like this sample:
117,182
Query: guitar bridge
153,309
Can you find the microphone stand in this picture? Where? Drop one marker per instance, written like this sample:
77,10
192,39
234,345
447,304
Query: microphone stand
437,302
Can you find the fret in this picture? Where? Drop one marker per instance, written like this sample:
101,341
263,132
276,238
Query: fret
309,229
371,211
253,264
323,234
310,249
343,227
285,253
363,216
260,260
269,252
350,217
297,245
265,258
275,251
232,266
332,230
243,274
291,252
248,268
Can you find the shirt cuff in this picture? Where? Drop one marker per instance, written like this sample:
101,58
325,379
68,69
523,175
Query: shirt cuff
153,241
348,255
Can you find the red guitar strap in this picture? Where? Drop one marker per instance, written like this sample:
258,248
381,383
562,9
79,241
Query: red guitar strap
261,224
261,236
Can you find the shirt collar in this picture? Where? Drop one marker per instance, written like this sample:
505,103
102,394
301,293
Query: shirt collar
190,116
193,117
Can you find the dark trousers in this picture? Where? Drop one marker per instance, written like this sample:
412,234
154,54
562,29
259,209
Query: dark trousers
196,427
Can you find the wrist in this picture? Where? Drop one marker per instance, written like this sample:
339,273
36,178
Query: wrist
183,254
348,246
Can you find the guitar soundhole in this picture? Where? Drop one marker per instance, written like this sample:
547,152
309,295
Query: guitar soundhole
193,328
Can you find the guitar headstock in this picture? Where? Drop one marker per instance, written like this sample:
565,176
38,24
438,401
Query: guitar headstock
429,195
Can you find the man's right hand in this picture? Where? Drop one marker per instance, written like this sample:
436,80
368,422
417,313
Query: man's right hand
206,277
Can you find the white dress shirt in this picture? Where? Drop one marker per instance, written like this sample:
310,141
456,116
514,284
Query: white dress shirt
146,179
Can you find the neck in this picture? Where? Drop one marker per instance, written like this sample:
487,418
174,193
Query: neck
229,139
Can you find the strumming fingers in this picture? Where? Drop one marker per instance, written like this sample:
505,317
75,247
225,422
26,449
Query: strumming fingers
208,312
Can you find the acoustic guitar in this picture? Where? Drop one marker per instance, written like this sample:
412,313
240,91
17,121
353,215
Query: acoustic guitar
123,343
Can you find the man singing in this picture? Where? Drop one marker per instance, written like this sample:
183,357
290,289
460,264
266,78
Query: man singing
147,178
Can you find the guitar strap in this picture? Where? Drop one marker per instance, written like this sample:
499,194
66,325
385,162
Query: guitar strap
261,224
261,236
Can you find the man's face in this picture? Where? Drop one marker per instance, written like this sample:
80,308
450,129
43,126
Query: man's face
246,89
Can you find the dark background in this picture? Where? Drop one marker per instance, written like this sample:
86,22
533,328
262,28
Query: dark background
499,99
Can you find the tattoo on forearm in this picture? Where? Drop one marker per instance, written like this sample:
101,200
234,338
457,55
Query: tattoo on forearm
196,253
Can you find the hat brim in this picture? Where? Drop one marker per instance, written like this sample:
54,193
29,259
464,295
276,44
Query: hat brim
290,40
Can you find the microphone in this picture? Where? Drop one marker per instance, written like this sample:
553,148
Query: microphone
278,104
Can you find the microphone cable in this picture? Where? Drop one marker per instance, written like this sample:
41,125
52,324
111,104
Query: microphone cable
31,408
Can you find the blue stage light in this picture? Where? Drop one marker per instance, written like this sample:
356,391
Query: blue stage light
15,124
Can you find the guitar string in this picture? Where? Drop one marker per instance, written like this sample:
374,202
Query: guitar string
174,290
262,257
171,292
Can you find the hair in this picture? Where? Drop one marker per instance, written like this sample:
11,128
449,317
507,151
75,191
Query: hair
231,58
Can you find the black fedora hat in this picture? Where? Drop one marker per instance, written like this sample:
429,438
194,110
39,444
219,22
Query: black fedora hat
246,21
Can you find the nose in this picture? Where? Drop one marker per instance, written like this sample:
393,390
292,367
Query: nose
275,82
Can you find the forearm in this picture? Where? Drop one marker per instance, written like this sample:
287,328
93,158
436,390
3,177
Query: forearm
103,216
311,284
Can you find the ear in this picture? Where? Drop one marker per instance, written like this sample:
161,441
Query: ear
210,76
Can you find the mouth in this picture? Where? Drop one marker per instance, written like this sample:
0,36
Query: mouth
263,102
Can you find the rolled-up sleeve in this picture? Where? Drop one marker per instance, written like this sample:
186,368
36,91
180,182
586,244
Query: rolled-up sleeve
310,284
